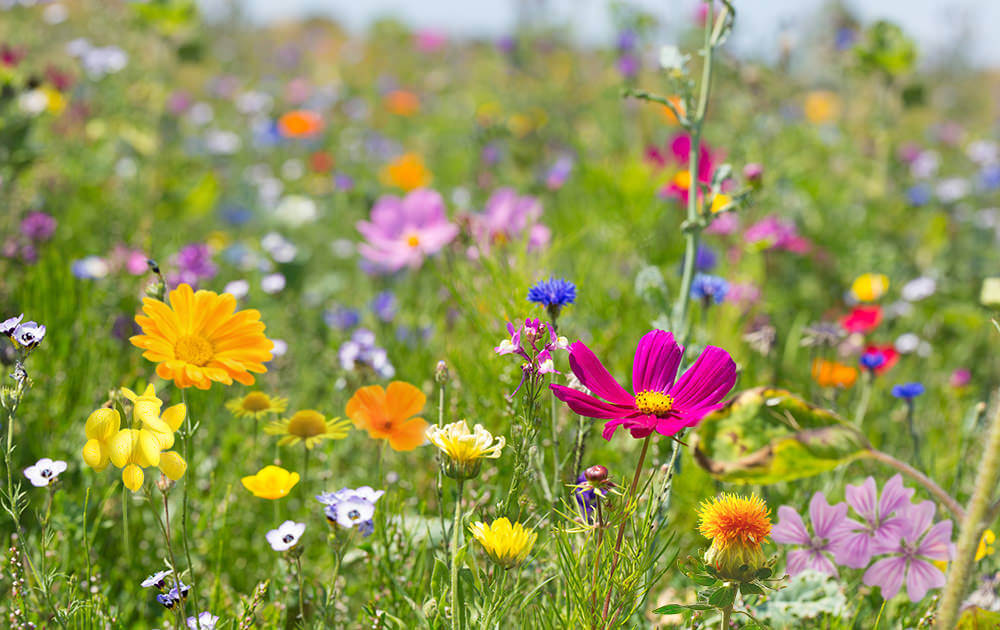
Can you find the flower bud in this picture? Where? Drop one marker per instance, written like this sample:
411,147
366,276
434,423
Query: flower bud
441,372
736,562
596,475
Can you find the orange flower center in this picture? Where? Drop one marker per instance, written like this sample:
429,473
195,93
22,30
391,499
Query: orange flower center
656,403
413,240
194,349
307,423
256,401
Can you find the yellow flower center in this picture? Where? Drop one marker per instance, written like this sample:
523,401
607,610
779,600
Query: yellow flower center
413,240
256,401
194,349
307,423
682,180
656,403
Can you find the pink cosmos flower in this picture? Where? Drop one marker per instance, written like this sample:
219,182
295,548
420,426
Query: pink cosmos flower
911,553
829,524
659,403
402,232
882,520
773,232
507,217
680,148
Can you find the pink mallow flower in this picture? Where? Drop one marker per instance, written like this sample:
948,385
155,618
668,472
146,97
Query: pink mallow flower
659,403
910,554
829,525
402,232
882,522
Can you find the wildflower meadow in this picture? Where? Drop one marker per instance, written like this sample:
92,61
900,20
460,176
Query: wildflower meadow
309,327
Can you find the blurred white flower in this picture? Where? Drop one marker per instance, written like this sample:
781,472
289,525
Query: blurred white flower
44,472
101,61
272,283
296,210
280,348
33,102
126,168
269,189
925,164
254,102
237,288
222,142
293,169
201,113
286,536
907,343
672,60
280,249
952,189
55,13
919,289
983,152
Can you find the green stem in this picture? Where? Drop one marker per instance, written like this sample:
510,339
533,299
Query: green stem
946,499
972,524
866,395
913,433
630,497
727,614
188,480
298,572
555,438
456,534
170,550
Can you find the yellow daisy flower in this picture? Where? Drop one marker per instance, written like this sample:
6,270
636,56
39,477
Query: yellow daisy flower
309,426
868,287
271,482
507,545
257,405
464,450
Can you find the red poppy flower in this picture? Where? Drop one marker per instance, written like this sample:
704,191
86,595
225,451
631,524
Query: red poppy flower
862,319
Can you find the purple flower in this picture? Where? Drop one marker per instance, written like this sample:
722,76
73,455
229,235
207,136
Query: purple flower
361,349
911,553
402,232
534,341
384,306
829,525
559,172
508,217
628,65
882,524
193,263
773,232
38,226
8,326
342,317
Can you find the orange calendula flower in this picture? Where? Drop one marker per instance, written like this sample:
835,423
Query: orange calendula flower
271,482
300,123
407,172
389,414
737,527
201,338
402,103
833,374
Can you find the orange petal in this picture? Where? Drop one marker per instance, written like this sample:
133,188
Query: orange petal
409,435
403,400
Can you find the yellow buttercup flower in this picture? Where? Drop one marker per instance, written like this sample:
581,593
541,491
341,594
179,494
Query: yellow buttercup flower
507,545
257,405
271,482
737,527
463,449
101,427
869,287
309,426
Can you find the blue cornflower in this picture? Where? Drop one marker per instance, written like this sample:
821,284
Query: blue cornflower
554,291
341,318
872,360
908,391
705,259
709,288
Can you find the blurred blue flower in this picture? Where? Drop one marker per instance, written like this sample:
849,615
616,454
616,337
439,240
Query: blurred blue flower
918,195
341,317
556,292
705,259
908,391
709,288
989,177
872,360
384,306
235,215
845,38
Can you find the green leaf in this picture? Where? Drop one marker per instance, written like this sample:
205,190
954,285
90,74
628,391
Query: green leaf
749,588
766,435
704,580
723,597
670,609
764,572
975,618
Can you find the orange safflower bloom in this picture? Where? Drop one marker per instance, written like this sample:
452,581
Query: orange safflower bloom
833,374
389,414
201,338
402,103
300,123
407,172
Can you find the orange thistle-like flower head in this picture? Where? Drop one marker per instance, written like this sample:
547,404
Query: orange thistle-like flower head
201,338
737,527
389,414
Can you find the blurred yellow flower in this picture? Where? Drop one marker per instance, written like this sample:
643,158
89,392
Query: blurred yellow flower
821,106
407,172
989,295
986,545
256,405
271,482
402,103
507,545
869,287
720,201
309,426
463,449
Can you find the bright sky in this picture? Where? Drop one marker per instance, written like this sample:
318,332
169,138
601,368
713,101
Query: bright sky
935,23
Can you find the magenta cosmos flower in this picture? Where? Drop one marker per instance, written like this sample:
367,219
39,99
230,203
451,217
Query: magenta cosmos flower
402,232
911,555
659,403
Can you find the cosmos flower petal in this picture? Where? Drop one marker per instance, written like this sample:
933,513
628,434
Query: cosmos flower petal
707,381
589,406
657,358
595,376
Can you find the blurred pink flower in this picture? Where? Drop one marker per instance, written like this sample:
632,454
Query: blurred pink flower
777,233
508,217
402,232
429,40
960,378
724,223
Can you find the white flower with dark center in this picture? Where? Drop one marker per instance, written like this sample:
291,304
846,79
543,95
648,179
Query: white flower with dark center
29,334
286,536
8,326
44,472
204,621
158,579
354,511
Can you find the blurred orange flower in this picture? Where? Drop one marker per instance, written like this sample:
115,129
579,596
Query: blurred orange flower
300,123
321,162
821,106
833,374
407,172
388,414
402,103
668,114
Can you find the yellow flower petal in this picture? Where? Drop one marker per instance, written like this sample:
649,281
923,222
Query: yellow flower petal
174,416
132,477
172,465
95,455
121,447
102,424
149,448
